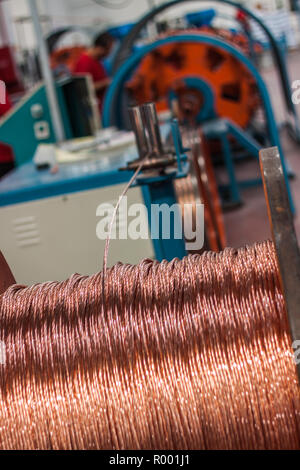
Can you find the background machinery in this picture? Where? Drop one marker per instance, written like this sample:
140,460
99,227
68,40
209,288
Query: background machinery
205,78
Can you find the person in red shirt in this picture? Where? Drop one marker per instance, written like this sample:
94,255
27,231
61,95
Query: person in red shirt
6,153
90,62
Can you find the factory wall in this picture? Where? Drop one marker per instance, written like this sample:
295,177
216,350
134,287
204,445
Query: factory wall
86,12
57,13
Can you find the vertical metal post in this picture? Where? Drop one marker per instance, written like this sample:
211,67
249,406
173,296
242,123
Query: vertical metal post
284,236
47,74
3,29
136,119
152,125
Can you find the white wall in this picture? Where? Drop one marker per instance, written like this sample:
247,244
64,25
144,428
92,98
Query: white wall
21,35
87,12
81,12
65,12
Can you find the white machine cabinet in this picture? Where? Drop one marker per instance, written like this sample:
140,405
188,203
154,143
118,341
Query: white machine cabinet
48,222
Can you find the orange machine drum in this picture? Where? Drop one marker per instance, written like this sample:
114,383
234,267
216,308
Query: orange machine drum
164,70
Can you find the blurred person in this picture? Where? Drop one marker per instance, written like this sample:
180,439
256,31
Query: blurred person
6,153
243,19
90,62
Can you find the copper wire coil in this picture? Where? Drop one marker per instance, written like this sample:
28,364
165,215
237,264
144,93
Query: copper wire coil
200,186
187,196
207,186
191,354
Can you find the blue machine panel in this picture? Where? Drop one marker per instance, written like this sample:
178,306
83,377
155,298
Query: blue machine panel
26,183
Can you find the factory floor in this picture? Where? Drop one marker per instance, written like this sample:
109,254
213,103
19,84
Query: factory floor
249,223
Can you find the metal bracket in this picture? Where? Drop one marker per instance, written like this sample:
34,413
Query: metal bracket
158,160
284,235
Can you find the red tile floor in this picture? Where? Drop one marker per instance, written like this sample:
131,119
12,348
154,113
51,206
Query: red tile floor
249,223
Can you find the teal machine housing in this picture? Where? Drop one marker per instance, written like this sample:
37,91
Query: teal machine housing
49,218
31,116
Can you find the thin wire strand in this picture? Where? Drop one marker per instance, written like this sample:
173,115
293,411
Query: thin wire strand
130,183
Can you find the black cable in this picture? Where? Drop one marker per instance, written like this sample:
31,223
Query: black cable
113,5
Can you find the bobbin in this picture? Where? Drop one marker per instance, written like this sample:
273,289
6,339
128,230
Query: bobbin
284,235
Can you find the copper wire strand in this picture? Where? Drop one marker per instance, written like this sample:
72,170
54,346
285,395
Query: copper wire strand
191,354
128,185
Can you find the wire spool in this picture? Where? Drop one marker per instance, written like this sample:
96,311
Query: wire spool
187,197
207,186
234,91
200,186
191,354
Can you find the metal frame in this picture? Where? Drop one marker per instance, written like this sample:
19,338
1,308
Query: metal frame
223,129
47,74
125,50
284,236
157,186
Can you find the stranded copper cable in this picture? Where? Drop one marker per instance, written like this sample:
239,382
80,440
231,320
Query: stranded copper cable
191,354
